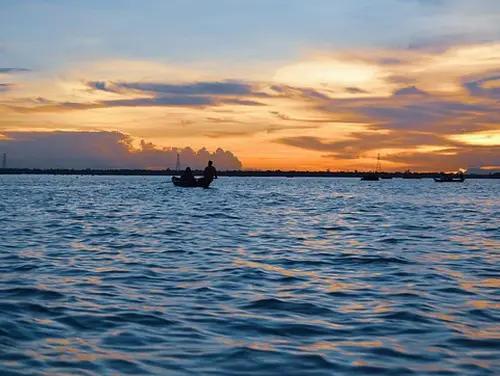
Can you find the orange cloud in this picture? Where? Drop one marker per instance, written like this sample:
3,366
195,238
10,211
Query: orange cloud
426,109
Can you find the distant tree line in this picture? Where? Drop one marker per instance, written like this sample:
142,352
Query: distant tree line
242,173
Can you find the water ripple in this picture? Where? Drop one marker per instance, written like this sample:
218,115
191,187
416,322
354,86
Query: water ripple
257,276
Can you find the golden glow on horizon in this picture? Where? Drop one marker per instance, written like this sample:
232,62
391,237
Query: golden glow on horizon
332,77
486,138
349,82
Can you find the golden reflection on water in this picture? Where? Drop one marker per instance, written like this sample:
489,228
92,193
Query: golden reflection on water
67,349
325,283
340,346
353,308
277,269
483,304
88,247
440,350
359,363
474,286
486,333
383,307
36,253
43,321
452,273
251,345
439,315
490,282
10,364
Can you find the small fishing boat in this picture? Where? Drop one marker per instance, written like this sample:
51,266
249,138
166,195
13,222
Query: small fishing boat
410,175
370,177
202,183
373,176
460,178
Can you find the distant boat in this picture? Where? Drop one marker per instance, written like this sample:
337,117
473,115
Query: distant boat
386,177
370,177
458,178
202,183
373,176
410,175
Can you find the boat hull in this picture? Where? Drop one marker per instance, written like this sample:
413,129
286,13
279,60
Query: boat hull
370,178
200,183
456,180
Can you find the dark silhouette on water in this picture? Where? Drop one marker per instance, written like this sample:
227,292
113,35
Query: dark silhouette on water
373,176
410,175
187,178
453,178
235,173
209,174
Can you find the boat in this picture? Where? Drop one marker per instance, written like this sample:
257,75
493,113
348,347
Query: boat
373,176
410,175
202,183
370,177
386,177
458,178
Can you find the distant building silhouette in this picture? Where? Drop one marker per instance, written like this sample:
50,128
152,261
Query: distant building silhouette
4,160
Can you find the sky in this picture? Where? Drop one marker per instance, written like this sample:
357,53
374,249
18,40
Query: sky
252,84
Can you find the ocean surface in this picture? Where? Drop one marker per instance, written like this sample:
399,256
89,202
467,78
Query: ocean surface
255,276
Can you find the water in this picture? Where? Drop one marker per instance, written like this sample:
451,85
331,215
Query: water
258,276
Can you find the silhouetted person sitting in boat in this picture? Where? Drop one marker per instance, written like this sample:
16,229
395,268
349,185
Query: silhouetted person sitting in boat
210,172
188,177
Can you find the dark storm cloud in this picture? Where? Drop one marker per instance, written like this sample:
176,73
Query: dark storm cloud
159,95
411,119
101,150
361,142
101,85
464,157
163,101
14,70
410,90
452,156
478,88
197,88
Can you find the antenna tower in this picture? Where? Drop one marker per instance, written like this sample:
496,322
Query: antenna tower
4,161
178,163
379,166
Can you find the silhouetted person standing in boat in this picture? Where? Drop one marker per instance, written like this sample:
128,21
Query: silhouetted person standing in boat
210,173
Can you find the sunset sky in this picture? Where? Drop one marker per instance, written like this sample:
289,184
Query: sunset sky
275,84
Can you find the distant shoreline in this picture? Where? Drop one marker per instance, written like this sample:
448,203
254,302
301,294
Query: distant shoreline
276,173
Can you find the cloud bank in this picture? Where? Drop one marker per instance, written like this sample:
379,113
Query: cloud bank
425,109
102,150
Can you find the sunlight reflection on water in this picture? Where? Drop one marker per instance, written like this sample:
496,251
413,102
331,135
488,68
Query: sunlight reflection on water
115,275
